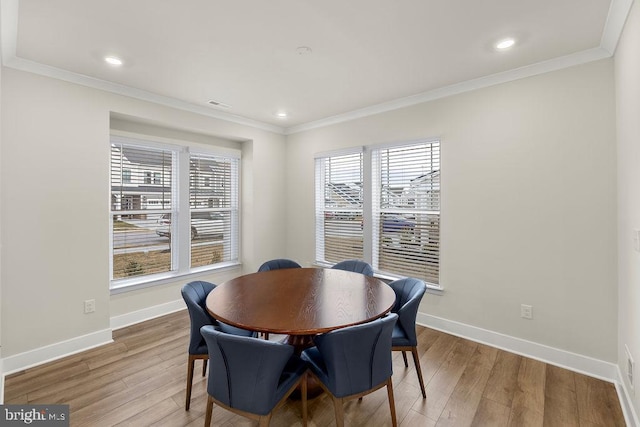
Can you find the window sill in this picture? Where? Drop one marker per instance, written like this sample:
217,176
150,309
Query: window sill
431,287
128,285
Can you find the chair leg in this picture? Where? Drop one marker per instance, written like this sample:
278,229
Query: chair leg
190,366
204,367
209,410
266,336
264,420
392,403
404,357
416,361
303,392
338,407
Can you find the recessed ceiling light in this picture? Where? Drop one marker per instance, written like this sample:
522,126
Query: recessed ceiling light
282,115
505,44
113,60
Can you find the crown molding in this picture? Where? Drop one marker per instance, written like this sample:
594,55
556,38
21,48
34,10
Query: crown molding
9,32
455,89
616,18
83,80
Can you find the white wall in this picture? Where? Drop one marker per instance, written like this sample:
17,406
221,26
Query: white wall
528,203
55,200
627,81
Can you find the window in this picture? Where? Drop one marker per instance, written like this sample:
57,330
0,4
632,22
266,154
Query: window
214,211
126,176
406,210
339,233
399,233
151,239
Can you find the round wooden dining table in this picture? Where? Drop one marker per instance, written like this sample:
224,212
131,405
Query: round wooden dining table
300,302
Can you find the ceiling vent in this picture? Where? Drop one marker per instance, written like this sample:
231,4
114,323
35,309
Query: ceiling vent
219,104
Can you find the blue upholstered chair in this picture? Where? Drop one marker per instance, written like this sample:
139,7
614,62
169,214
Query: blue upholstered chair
277,264
251,377
355,265
194,295
354,361
409,293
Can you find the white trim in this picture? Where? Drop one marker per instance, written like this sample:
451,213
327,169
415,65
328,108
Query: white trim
575,362
132,92
630,416
554,64
1,382
148,313
9,13
614,25
48,353
55,351
339,152
9,27
618,12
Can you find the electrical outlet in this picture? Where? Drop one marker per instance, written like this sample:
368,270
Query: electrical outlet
526,311
636,240
89,306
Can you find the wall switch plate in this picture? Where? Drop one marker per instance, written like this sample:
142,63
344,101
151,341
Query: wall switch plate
526,311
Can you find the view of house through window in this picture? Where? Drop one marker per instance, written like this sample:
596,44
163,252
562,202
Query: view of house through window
145,187
213,209
339,231
402,197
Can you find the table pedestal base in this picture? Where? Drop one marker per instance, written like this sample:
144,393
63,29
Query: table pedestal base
300,343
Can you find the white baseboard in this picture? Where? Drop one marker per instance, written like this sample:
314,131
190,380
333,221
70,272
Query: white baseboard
630,415
1,382
38,356
148,313
572,361
575,362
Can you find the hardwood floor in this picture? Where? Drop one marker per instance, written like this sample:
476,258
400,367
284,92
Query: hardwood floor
140,380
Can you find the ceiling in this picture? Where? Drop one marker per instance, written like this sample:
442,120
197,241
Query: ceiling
366,55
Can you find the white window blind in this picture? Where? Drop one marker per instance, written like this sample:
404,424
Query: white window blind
138,208
339,204
213,201
173,211
399,188
406,210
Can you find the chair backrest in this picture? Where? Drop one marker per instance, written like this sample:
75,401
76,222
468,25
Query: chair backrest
244,372
277,264
358,357
355,265
195,295
409,293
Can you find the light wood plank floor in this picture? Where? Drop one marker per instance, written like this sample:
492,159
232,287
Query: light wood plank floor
140,380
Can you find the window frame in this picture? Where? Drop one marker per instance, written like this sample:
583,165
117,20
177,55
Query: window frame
322,211
369,198
180,246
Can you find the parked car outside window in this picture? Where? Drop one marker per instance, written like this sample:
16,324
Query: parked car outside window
202,224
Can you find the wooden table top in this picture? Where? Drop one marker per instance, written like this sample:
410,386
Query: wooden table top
300,301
